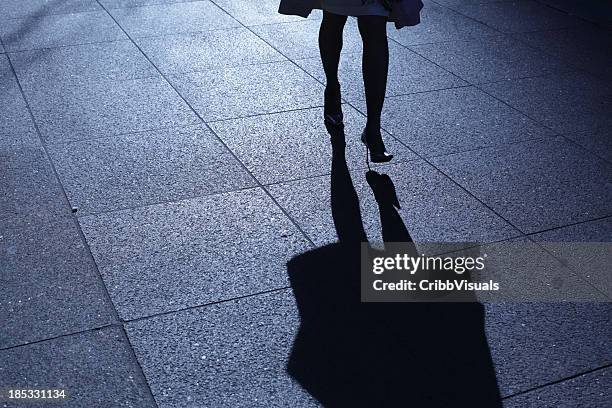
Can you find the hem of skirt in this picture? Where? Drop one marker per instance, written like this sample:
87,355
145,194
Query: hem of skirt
406,21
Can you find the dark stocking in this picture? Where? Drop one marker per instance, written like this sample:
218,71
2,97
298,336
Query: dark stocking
375,66
330,45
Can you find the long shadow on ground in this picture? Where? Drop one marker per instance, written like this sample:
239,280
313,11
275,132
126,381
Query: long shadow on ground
353,354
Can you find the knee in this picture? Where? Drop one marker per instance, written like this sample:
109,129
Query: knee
373,29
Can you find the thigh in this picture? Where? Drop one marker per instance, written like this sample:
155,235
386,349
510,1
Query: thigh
372,26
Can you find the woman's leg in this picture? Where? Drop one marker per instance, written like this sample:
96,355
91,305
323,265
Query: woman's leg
330,46
375,65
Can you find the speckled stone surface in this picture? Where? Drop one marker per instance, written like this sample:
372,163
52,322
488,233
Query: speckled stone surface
454,120
16,127
584,47
408,73
300,39
588,390
230,354
292,145
570,102
598,142
207,50
249,90
58,30
105,108
262,12
439,24
117,60
97,369
112,4
525,183
490,59
519,16
50,285
176,18
36,8
145,168
172,256
433,208
31,192
537,343
196,259
586,248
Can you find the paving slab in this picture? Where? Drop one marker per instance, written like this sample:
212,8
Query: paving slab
117,60
262,12
175,18
104,108
97,369
31,192
145,168
439,24
292,145
16,127
207,50
300,39
490,59
59,30
588,390
35,8
598,142
534,344
236,353
50,287
433,208
172,256
519,16
525,183
248,90
408,73
585,47
567,103
454,120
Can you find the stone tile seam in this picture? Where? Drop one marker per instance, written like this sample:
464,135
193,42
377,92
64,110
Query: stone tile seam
244,167
399,141
548,384
103,287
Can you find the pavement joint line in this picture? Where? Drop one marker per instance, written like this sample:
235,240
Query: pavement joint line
513,35
580,374
158,4
570,268
71,215
569,225
39,16
65,46
111,304
60,336
576,16
586,148
205,305
291,219
429,60
163,202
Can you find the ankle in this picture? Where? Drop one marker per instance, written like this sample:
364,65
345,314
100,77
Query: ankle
372,128
333,85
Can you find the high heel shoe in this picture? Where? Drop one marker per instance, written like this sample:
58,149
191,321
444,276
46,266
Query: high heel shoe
376,147
332,111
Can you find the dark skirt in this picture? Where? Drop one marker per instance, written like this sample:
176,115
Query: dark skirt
401,12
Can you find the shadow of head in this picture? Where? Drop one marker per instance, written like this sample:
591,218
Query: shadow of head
348,353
